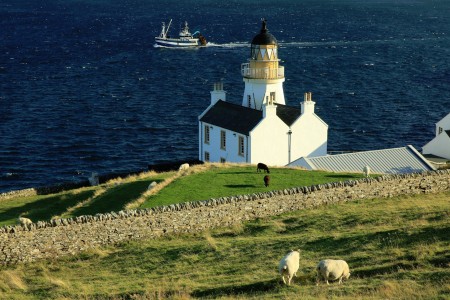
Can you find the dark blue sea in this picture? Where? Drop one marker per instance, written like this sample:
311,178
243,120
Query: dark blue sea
83,88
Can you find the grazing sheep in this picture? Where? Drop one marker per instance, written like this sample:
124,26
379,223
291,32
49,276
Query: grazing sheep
331,269
262,166
25,221
266,180
184,167
152,185
366,171
288,266
94,180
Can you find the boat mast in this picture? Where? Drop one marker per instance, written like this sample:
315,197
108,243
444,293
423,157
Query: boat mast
168,26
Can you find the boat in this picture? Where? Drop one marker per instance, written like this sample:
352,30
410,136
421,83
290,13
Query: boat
185,38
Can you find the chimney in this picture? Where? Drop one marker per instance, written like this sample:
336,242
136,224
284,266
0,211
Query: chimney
307,106
269,108
218,93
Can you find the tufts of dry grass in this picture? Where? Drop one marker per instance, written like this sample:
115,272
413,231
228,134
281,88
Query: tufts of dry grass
12,280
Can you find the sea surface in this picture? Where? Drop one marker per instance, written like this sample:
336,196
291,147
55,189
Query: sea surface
84,89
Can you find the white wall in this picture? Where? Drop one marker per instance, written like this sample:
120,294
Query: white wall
269,142
439,146
231,152
309,137
444,124
259,89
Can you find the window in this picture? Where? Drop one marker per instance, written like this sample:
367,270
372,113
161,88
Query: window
206,156
223,140
222,160
206,134
440,130
241,146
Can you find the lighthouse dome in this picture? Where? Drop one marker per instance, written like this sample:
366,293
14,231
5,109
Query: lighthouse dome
264,37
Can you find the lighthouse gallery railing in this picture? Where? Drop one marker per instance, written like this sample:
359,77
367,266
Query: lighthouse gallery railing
263,73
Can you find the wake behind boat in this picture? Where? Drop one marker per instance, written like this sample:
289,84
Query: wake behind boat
185,38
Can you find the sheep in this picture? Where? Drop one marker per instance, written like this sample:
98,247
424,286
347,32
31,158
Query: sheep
331,269
266,180
366,171
184,167
289,265
25,221
152,185
262,166
94,180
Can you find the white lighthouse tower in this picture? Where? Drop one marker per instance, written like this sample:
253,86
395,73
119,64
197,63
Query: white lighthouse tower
263,128
263,76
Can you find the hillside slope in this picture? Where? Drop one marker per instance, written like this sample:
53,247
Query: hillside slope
397,248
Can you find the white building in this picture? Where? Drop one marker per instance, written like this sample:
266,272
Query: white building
440,145
262,128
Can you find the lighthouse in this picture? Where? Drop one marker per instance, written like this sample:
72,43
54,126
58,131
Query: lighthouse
262,74
262,128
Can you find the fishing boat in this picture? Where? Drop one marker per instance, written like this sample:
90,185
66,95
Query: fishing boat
185,38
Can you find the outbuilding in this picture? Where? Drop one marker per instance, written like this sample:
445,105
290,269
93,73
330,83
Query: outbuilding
385,161
440,145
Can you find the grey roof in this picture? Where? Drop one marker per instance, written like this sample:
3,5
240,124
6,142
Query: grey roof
242,119
288,114
386,161
231,116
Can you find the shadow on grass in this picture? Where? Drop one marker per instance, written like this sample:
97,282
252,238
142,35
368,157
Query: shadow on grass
385,239
387,269
236,172
342,176
248,289
45,208
238,186
115,198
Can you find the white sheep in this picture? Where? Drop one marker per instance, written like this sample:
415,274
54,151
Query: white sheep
93,180
184,167
331,269
288,266
25,221
152,185
366,171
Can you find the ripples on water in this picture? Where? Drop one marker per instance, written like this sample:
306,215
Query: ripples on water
84,89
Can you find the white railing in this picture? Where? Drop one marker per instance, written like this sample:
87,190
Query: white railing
261,73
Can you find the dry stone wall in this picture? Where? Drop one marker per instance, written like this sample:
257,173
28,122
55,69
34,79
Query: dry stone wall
70,236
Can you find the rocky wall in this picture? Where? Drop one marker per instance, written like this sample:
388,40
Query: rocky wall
70,236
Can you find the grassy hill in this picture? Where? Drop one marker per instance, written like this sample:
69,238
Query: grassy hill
197,183
397,248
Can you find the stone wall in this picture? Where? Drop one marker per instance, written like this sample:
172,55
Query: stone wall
69,236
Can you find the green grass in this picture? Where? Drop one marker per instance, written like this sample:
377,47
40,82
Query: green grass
112,196
204,182
238,180
40,207
397,248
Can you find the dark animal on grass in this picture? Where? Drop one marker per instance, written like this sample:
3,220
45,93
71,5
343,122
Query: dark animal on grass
262,166
266,180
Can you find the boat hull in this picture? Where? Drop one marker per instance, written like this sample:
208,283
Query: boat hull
177,42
